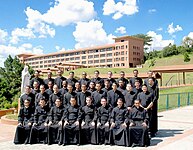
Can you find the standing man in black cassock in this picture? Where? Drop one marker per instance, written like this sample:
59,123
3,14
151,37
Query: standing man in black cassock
25,121
91,88
37,79
113,95
111,80
71,128
81,96
58,80
137,88
71,80
108,85
119,127
88,123
49,90
121,86
49,78
84,79
55,95
68,95
132,80
40,125
64,89
152,88
35,90
55,122
151,75
138,127
41,95
97,95
103,122
97,78
122,77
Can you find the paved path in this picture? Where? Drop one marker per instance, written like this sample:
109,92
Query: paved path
175,132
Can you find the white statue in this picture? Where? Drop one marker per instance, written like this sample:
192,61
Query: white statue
25,79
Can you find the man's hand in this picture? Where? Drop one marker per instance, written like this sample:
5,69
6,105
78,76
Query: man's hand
98,124
124,124
131,124
29,123
128,108
107,124
20,124
60,123
66,123
34,124
83,123
92,124
146,109
50,123
77,123
45,124
112,125
144,124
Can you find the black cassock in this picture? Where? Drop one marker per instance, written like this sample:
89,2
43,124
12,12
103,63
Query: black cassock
46,81
132,81
67,97
138,134
39,132
55,116
39,96
49,91
35,91
30,97
63,91
85,81
103,117
88,132
112,97
38,80
153,118
72,81
119,134
137,91
53,98
71,132
96,96
22,133
58,81
81,98
129,98
106,89
99,79
124,80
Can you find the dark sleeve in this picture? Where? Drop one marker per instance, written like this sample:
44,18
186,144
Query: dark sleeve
36,100
112,116
36,116
126,116
31,83
20,116
50,115
21,101
65,115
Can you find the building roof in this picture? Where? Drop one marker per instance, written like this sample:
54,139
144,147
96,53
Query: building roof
129,37
174,69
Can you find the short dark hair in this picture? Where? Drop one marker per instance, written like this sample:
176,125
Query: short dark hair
135,70
97,71
71,72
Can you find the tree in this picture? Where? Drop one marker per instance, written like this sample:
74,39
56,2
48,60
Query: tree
186,57
187,42
10,82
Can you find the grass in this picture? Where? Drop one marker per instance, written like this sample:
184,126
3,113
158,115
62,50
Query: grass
12,116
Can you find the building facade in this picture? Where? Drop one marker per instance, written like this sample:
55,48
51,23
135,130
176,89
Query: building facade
125,52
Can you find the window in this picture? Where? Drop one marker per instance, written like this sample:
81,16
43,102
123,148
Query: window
122,64
109,60
90,62
96,61
83,52
90,56
122,58
102,50
102,61
109,55
96,56
122,53
83,57
77,58
122,40
122,47
102,55
83,62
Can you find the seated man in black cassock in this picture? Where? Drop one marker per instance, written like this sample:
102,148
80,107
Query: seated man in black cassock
118,128
55,122
40,125
71,127
88,123
103,122
138,127
25,120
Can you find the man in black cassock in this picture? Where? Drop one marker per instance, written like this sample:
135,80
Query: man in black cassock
108,86
91,88
55,122
64,89
55,95
151,75
37,79
41,95
103,122
119,127
129,96
58,80
137,88
49,90
40,126
122,77
97,78
97,95
68,95
71,80
35,90
84,80
28,95
25,121
152,88
81,96
49,78
138,127
77,87
111,80
88,123
71,127
121,86
132,80
113,95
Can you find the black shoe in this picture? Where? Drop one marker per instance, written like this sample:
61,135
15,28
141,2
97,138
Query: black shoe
63,144
78,144
59,143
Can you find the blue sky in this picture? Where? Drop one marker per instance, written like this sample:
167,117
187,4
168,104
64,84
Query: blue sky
44,26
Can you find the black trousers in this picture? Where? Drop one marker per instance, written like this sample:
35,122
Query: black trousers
88,134
22,134
54,132
103,134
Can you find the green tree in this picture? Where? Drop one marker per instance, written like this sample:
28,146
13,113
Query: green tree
186,57
187,42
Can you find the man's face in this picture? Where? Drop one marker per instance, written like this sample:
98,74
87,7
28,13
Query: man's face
73,101
71,75
27,90
122,75
121,83
36,74
92,85
129,87
96,74
50,85
151,82
137,103
98,87
135,73
77,85
69,88
49,74
150,74
107,84
35,85
59,73
64,84
144,88
58,103
55,89
103,102
42,88
42,103
84,75
83,87
26,103
110,75
114,86
88,101
137,84
119,103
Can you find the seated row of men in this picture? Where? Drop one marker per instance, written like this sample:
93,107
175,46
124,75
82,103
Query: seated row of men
83,125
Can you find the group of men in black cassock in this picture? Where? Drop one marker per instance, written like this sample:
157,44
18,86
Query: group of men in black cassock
88,111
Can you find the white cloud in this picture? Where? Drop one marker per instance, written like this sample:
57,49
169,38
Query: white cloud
58,48
152,11
190,35
3,36
91,34
160,29
121,30
171,29
124,7
18,33
158,41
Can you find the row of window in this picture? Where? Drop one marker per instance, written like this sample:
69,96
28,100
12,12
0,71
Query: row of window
136,53
121,47
136,47
136,59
